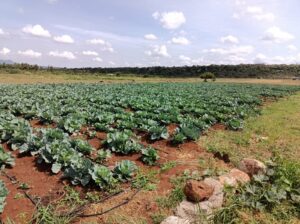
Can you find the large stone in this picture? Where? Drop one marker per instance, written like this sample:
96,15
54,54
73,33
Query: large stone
175,220
216,200
234,177
252,166
240,176
191,211
187,210
228,180
197,191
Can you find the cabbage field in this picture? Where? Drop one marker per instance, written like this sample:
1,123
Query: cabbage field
70,114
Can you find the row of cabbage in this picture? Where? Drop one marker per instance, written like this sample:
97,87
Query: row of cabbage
146,108
72,156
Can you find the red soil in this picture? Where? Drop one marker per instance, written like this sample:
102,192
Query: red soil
37,177
47,186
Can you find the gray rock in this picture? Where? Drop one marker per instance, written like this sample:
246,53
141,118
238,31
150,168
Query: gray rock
187,210
234,178
216,200
175,220
252,166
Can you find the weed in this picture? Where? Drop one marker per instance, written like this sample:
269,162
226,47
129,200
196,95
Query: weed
167,166
276,193
45,215
158,217
145,180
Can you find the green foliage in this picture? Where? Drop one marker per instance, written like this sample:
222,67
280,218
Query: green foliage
178,138
208,75
149,156
235,124
145,180
103,155
48,214
102,176
280,185
82,146
125,170
121,142
157,132
3,194
158,217
6,159
167,166
79,171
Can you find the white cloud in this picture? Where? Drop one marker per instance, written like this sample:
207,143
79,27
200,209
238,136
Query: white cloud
234,59
180,41
1,32
64,39
170,20
109,49
97,41
64,54
229,39
276,35
30,53
4,51
184,58
236,50
112,63
106,45
97,59
36,30
90,53
255,12
292,47
260,59
150,37
265,16
158,51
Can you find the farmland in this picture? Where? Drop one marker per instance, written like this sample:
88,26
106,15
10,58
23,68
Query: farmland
88,134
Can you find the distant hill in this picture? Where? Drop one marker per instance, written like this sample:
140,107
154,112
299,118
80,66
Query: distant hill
10,62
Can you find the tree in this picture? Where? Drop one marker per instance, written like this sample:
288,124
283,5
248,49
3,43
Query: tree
208,75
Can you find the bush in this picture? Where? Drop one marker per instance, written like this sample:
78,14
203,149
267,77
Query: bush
208,75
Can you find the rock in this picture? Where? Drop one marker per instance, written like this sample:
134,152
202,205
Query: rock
206,207
197,191
215,184
175,220
234,177
187,210
190,211
216,200
240,176
252,166
228,180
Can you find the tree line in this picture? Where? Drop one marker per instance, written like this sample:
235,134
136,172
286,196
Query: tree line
220,71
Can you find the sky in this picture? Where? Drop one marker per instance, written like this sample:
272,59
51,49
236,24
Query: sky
122,33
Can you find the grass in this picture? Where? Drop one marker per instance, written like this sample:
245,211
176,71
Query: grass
26,77
275,132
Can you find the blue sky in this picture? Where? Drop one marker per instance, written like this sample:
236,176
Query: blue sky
101,33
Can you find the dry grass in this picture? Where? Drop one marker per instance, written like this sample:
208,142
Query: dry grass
277,131
32,78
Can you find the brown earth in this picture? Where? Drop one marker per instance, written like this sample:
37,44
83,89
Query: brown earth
49,187
38,177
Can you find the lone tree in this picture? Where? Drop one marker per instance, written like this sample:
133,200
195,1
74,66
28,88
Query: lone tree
208,75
